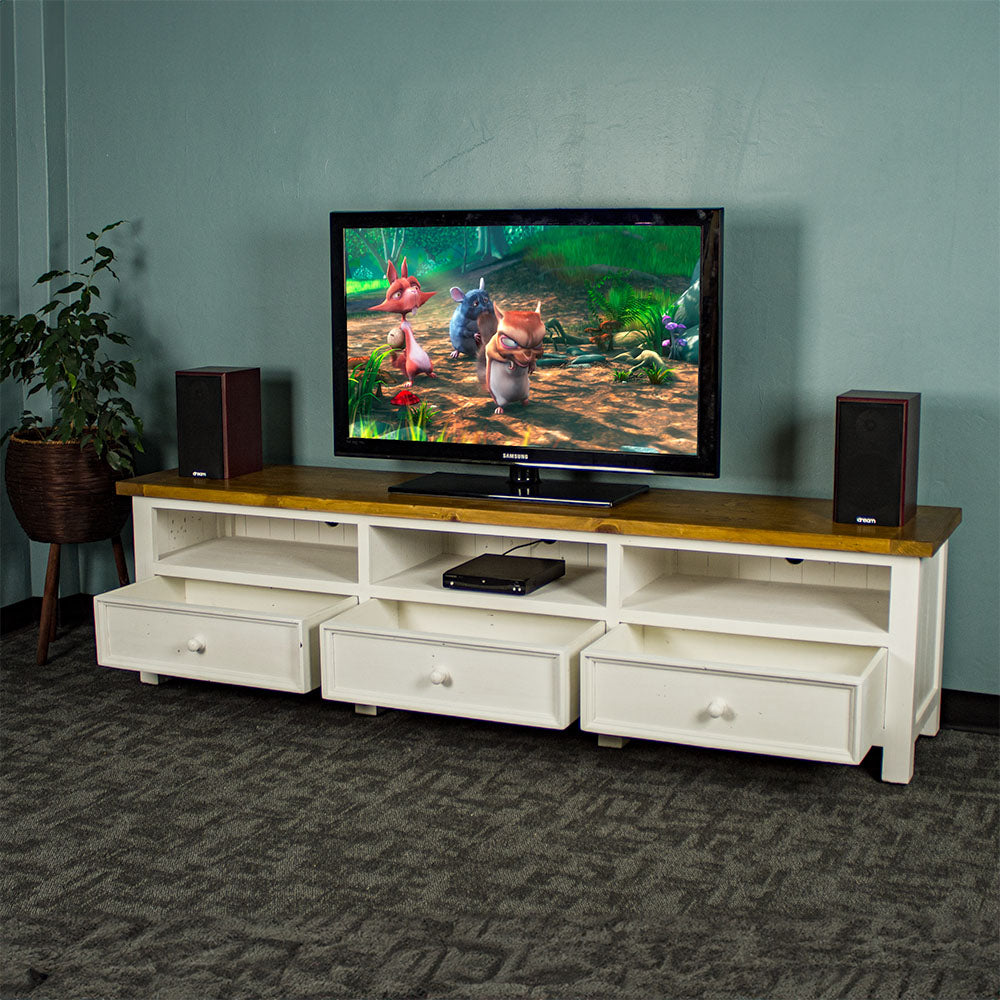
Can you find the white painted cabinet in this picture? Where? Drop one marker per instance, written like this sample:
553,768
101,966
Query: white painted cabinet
821,650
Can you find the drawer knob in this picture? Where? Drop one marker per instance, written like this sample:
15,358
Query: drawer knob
717,708
196,644
440,676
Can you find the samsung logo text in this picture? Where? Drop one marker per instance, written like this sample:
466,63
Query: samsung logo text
523,455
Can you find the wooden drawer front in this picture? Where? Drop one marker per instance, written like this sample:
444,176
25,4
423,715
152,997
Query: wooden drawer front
155,626
813,714
470,676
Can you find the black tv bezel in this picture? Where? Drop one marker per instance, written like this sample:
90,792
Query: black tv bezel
704,463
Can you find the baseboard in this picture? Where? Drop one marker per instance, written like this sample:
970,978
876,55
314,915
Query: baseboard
75,609
969,710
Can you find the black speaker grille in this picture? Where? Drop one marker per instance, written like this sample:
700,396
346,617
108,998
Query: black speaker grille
869,466
199,426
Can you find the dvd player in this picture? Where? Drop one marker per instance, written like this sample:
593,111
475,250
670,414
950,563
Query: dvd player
497,574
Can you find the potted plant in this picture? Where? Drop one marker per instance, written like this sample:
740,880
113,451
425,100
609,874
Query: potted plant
61,471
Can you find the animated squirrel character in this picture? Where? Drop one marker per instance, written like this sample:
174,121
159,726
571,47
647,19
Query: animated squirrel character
403,296
463,331
508,358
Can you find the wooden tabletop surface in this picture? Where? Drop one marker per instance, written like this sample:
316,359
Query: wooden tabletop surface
662,513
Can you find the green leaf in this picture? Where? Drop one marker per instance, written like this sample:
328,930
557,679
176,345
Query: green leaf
93,236
113,225
105,252
49,275
74,287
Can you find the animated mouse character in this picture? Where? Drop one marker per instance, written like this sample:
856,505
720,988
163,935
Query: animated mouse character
404,296
508,359
463,331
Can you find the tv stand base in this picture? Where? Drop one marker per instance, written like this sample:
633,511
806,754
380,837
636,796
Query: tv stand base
522,484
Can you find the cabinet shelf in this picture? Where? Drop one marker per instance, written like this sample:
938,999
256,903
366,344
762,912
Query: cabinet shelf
850,615
283,564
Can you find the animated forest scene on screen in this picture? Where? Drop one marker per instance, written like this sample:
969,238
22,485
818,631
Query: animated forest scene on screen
532,336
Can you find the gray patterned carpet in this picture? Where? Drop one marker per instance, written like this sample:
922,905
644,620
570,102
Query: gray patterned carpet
200,841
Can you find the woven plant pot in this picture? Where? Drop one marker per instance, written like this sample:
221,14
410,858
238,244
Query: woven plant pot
61,492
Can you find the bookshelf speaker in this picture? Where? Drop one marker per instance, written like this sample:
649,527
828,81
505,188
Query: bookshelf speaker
218,422
875,463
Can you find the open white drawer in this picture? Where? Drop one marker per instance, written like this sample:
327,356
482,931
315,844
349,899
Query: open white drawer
257,636
814,700
499,665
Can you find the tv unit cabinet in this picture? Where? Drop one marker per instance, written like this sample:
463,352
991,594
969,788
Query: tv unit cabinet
712,619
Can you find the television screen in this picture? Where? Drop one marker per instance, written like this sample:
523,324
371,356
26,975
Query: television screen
575,339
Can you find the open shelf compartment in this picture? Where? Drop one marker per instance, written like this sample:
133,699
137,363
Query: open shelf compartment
408,563
284,552
812,598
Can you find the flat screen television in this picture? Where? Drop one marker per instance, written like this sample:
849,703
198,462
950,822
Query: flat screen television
586,340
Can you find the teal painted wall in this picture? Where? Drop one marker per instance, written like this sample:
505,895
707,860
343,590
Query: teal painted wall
854,147
15,566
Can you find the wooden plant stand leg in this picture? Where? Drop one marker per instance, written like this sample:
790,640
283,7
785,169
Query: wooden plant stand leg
50,601
54,621
120,564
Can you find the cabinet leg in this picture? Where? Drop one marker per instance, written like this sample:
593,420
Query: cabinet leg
615,742
50,602
120,564
367,709
932,722
897,762
148,678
